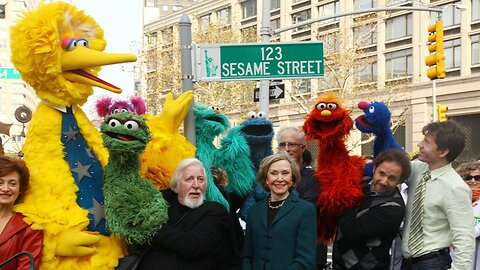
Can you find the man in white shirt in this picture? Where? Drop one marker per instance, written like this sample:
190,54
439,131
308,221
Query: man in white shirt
445,210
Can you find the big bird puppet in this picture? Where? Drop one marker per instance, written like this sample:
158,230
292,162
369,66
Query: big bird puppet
58,50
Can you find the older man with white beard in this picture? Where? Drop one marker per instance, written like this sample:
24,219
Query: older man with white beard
197,234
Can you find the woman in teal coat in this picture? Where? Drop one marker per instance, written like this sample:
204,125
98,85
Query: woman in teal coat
281,229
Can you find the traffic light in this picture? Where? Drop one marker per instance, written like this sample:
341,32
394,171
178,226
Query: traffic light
442,112
436,59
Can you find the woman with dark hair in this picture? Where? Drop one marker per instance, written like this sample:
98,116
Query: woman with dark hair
15,235
281,229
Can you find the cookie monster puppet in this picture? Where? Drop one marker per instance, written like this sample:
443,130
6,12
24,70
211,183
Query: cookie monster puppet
376,119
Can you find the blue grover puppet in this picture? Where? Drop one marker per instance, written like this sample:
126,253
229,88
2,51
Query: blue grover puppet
376,120
232,156
258,131
134,208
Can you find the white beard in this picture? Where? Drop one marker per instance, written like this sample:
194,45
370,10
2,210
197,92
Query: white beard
193,203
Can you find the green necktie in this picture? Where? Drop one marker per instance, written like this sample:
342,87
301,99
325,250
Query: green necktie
415,242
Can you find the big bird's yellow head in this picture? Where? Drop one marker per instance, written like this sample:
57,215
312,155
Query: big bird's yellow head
58,50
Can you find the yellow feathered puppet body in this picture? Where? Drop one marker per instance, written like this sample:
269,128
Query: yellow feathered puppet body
58,51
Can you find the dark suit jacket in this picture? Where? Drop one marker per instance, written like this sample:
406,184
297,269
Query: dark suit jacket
290,241
196,238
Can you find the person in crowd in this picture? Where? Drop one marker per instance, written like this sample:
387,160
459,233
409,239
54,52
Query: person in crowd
470,173
307,158
197,234
235,201
439,207
292,141
281,229
365,233
15,235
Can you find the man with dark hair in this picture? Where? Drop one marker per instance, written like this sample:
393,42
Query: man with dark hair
365,233
439,210
292,141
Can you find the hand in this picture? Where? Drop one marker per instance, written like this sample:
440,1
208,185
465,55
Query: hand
75,242
174,111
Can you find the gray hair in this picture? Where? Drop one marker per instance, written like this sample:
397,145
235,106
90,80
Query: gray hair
301,134
181,167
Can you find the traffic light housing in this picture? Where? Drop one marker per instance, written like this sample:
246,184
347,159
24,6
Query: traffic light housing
442,112
436,60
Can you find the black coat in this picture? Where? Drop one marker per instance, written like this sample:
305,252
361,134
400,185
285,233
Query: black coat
192,238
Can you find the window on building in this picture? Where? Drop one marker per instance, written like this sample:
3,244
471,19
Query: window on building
303,86
451,15
301,17
224,16
152,40
453,53
475,49
398,27
150,3
394,2
204,22
329,9
249,9
398,64
368,73
275,24
165,8
167,35
365,35
364,4
274,4
470,127
176,8
475,10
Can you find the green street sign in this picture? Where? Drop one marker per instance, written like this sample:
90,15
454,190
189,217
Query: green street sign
9,73
222,62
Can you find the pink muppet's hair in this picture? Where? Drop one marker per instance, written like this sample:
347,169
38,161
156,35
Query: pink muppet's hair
105,106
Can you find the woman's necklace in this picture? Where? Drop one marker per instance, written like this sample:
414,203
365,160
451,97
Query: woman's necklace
275,206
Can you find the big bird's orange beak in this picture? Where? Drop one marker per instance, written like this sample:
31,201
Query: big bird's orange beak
77,66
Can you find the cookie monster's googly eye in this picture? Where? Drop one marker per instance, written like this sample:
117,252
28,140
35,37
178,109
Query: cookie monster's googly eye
210,107
321,106
332,106
262,115
251,115
124,110
132,125
81,42
114,123
371,109
69,43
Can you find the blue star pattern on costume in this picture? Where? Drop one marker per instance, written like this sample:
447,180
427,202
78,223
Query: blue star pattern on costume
86,170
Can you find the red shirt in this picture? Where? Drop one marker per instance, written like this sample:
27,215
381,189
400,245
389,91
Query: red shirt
16,237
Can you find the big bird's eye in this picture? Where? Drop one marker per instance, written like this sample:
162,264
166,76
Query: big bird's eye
114,123
69,43
251,115
81,42
262,115
132,125
332,106
371,109
321,105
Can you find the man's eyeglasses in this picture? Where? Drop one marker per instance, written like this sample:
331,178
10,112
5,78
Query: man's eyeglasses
469,177
289,145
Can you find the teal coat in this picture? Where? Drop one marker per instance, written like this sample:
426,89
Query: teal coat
289,243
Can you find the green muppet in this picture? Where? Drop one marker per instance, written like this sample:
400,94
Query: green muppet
134,208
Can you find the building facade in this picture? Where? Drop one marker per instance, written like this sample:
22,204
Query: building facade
14,92
391,47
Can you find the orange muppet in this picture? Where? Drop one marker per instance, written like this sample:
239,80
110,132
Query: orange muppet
338,173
